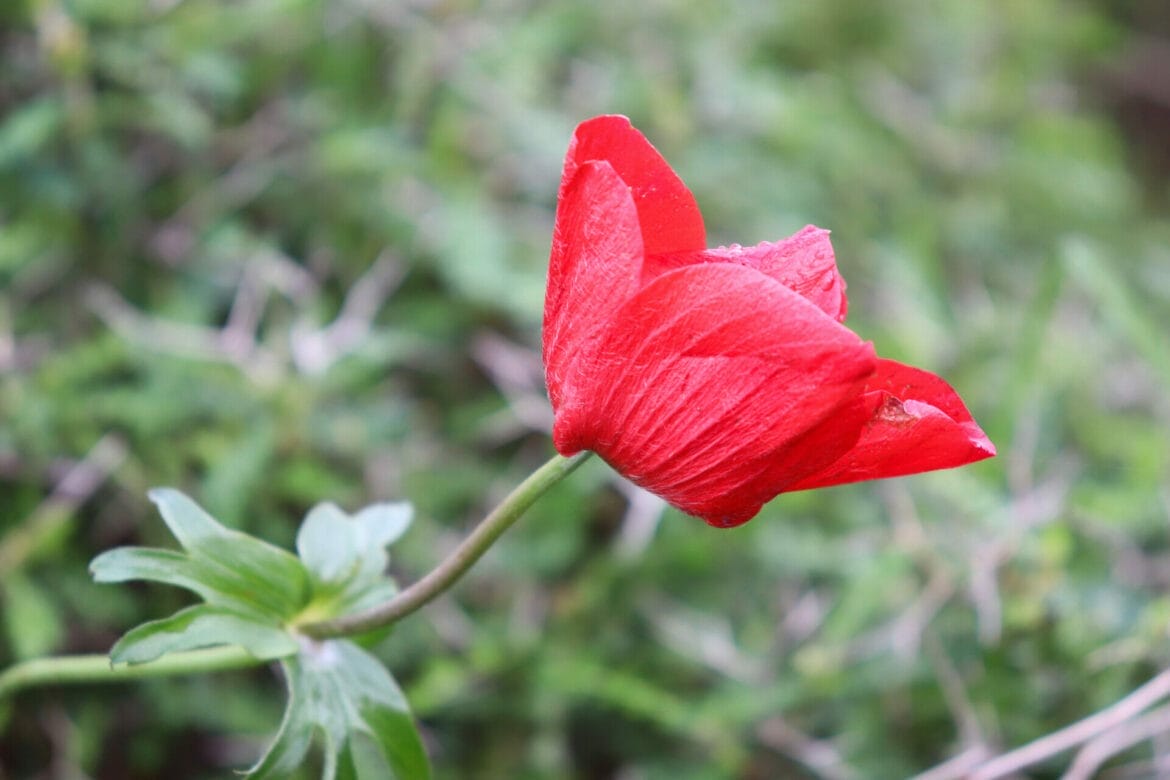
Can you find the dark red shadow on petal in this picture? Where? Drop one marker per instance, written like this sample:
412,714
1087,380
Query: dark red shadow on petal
809,453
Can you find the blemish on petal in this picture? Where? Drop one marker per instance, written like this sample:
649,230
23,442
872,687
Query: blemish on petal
892,412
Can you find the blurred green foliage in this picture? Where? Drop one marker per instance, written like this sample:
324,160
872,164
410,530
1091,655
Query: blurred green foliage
274,252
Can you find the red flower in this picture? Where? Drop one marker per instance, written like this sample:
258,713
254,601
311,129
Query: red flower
718,378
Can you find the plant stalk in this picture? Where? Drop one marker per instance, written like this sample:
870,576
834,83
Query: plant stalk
73,669
456,565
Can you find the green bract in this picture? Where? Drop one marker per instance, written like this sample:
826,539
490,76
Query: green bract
346,555
255,595
342,693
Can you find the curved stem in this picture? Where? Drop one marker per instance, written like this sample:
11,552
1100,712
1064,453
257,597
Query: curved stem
452,568
98,669
63,670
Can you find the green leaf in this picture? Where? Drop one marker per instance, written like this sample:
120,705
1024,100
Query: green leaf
189,524
337,547
364,759
383,524
345,697
293,739
240,567
202,625
393,738
169,567
251,589
346,554
338,693
328,544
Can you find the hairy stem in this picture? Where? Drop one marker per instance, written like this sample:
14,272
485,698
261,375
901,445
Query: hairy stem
73,669
456,565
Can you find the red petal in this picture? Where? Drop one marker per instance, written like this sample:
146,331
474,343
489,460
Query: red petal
803,262
669,216
594,266
704,381
919,424
772,472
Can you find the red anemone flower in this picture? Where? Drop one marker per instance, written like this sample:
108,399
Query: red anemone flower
718,378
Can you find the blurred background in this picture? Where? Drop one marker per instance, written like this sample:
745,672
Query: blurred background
273,252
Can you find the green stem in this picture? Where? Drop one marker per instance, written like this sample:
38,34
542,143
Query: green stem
454,566
63,670
68,669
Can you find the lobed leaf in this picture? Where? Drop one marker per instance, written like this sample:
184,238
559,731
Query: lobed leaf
169,567
328,544
240,568
345,697
202,625
346,554
384,523
338,694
